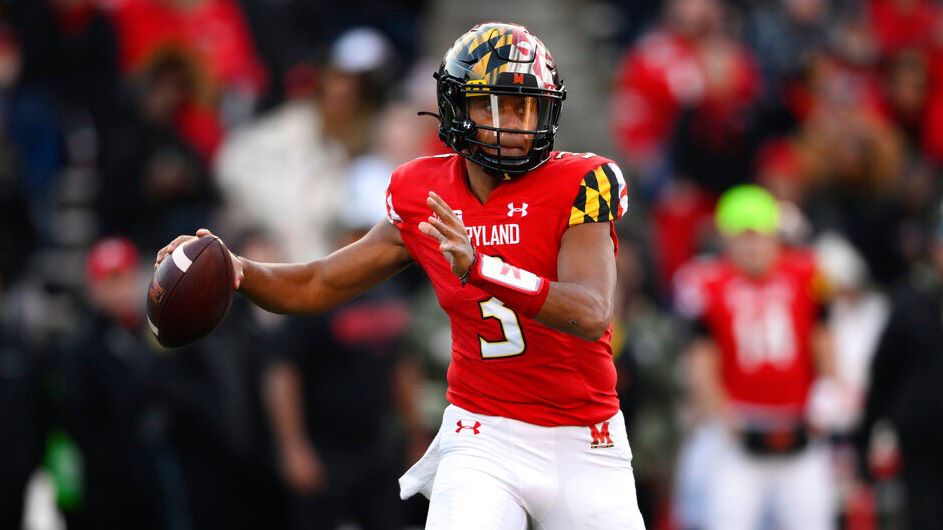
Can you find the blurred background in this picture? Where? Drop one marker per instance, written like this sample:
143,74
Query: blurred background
276,123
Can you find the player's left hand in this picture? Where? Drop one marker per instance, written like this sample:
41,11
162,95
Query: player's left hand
446,228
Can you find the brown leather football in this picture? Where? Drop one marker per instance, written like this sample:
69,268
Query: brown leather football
190,292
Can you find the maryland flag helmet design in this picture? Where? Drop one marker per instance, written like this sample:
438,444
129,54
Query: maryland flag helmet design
499,98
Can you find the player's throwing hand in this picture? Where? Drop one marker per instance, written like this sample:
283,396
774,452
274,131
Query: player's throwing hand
446,228
238,273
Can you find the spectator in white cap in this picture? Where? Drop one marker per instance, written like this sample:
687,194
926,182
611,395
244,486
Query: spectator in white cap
858,313
360,51
354,85
306,145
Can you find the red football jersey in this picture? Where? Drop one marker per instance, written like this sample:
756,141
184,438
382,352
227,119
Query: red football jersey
763,327
504,364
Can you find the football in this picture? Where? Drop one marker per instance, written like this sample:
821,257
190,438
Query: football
190,292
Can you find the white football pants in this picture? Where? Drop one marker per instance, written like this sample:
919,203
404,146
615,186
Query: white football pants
492,473
798,489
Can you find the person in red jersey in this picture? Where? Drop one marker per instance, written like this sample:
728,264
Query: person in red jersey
757,356
519,244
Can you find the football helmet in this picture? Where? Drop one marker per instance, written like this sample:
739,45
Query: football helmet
499,72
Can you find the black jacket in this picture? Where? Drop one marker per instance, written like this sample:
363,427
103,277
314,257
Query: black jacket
907,369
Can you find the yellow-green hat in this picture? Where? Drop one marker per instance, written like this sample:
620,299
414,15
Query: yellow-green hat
747,207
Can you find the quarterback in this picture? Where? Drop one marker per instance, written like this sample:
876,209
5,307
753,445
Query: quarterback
519,244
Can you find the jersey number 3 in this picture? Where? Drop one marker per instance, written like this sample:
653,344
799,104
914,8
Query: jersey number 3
513,343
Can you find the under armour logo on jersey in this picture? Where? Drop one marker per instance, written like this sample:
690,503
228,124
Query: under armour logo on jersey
512,210
601,437
474,428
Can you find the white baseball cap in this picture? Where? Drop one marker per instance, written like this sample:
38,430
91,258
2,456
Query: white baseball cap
360,50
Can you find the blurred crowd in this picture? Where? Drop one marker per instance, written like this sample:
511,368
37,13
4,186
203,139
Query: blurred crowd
276,123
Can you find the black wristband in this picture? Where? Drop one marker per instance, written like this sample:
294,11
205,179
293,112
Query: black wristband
464,277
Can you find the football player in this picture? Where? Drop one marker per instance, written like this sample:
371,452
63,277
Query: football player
518,241
759,354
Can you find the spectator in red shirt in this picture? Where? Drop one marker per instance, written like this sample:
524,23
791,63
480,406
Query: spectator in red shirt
686,63
213,31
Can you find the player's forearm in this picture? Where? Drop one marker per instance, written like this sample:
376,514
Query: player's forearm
287,288
582,308
574,309
327,282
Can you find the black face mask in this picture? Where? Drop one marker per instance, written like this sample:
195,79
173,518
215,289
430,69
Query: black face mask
513,70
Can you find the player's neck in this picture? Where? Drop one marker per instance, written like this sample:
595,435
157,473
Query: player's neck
480,182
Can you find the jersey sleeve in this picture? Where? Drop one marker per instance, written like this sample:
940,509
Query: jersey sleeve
391,198
391,214
602,196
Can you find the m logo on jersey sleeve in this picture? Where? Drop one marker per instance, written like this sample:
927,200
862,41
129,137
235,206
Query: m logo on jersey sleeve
602,197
